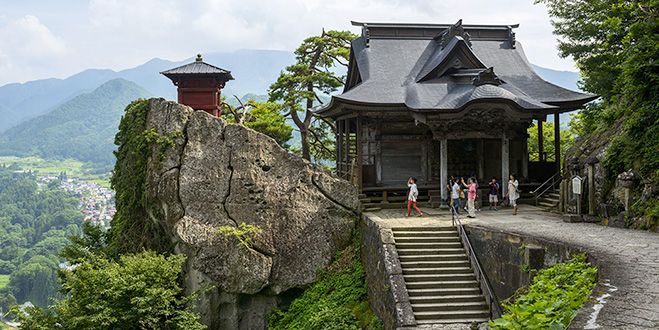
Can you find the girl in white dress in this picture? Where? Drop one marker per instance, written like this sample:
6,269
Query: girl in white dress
513,195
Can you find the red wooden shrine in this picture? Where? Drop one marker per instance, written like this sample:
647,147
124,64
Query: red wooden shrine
199,85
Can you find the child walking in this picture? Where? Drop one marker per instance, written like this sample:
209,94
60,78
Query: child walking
411,198
494,193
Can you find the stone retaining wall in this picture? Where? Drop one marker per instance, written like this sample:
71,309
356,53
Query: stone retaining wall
507,258
384,276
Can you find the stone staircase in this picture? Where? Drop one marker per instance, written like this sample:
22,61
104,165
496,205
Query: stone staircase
440,282
549,201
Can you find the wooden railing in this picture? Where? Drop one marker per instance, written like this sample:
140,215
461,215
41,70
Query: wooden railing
490,296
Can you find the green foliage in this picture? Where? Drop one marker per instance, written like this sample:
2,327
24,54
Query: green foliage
34,226
567,139
7,303
338,300
616,46
263,117
300,85
244,233
553,299
131,229
137,291
81,128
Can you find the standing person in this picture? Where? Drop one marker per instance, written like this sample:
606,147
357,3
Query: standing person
411,198
471,196
513,194
494,193
455,195
477,203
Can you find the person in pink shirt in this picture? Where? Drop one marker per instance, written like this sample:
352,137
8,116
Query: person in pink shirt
471,197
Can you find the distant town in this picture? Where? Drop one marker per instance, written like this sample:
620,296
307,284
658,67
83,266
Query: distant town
96,203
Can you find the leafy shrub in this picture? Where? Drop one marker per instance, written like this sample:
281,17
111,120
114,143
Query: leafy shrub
338,300
244,233
553,299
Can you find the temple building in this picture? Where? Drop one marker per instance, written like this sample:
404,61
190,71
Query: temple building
199,85
430,100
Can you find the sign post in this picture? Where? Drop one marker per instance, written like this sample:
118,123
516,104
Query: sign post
576,189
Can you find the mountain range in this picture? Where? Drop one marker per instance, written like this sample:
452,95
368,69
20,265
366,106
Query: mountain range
77,117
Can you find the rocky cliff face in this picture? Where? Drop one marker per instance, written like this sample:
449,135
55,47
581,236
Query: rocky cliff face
212,174
614,193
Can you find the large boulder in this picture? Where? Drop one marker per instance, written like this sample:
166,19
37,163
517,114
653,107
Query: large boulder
211,174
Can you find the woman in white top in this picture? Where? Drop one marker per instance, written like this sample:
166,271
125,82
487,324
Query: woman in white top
513,195
411,198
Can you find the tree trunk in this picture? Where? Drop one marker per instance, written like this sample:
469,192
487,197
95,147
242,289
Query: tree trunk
306,145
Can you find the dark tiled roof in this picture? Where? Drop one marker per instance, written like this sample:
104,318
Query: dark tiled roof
407,65
197,68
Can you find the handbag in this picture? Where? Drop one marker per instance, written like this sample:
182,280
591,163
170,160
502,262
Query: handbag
462,194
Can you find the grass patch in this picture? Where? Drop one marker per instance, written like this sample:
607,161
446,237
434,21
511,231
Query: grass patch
554,298
4,280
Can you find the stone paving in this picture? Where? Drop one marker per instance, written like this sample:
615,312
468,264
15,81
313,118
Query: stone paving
627,296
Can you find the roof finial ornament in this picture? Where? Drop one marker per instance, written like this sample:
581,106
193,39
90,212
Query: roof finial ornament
487,76
199,59
456,30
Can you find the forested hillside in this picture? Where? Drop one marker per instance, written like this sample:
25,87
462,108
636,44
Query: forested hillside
82,128
34,227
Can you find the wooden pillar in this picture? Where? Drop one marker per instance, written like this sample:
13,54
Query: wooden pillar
443,167
481,159
358,150
505,163
346,147
525,159
541,141
557,141
378,154
424,160
339,143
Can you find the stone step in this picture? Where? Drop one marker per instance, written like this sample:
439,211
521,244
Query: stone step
447,299
435,264
435,270
360,196
549,200
433,257
373,209
450,306
554,195
451,239
427,245
453,321
434,234
442,284
440,277
434,228
549,205
452,315
434,292
364,200
403,251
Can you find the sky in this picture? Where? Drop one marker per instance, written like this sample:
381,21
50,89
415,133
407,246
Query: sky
45,39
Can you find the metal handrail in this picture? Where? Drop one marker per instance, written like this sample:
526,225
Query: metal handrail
490,296
554,180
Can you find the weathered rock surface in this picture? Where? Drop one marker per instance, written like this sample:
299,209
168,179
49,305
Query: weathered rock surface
216,174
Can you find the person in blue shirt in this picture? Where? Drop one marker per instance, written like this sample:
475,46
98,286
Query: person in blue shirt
494,193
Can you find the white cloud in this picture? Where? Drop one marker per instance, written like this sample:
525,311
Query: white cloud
27,48
118,34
